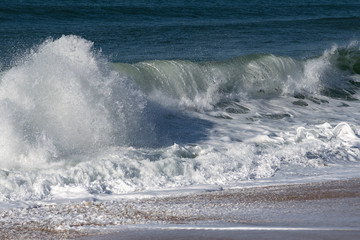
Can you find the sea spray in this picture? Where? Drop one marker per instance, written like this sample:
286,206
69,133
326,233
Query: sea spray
61,99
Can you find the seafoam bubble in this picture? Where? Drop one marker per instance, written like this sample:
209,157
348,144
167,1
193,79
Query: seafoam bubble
345,132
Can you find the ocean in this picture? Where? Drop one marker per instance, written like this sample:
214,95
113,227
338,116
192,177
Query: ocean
103,99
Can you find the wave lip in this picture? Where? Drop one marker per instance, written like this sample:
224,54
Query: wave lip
203,85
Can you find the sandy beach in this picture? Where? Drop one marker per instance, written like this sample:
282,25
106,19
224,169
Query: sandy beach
321,210
229,235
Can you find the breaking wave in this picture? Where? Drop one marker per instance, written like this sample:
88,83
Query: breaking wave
71,122
202,85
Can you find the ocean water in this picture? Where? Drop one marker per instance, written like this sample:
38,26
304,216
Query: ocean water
104,98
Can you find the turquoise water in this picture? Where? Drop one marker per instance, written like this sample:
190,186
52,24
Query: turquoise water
132,31
99,98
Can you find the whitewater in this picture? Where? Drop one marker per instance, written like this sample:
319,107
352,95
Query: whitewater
76,126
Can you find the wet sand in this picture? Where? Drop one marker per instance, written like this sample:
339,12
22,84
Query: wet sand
321,210
325,210
166,234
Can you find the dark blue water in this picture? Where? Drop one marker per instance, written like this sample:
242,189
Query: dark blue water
132,31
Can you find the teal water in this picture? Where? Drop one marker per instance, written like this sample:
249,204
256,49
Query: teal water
132,31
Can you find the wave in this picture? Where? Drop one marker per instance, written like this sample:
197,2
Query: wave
71,119
63,98
202,85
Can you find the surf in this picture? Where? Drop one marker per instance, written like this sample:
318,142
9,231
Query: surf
74,123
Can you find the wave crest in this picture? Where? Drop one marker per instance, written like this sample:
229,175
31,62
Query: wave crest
202,85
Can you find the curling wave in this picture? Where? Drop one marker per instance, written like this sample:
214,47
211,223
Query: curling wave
203,85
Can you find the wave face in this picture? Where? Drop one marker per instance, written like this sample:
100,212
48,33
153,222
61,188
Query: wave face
203,85
74,125
61,99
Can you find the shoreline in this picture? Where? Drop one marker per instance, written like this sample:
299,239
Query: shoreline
321,209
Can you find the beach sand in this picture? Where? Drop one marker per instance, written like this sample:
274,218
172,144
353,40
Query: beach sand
319,210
